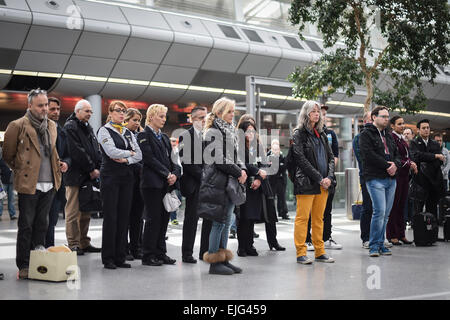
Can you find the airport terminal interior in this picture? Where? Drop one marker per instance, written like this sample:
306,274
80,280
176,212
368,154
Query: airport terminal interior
190,53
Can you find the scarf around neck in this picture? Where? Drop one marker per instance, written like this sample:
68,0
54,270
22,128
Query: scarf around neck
41,127
118,126
226,128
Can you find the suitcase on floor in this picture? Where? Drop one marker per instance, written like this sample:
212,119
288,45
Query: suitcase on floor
425,229
444,208
447,228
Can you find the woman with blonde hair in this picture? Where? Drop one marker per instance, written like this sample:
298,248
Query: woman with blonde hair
214,203
159,176
133,120
314,175
119,152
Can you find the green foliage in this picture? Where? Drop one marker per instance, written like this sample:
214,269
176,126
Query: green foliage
417,34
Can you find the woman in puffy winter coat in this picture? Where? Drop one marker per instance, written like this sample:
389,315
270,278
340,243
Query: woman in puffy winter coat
220,164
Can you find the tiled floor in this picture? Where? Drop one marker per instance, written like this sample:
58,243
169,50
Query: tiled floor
410,273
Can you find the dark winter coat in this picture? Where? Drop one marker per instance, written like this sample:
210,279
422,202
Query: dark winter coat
373,155
430,173
213,199
256,206
83,150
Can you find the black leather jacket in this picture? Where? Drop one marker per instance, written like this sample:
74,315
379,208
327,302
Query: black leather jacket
307,177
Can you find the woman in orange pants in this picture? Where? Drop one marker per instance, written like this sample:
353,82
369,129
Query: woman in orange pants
314,175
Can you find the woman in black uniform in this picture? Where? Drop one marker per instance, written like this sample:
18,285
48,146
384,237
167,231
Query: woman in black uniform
159,176
119,151
133,123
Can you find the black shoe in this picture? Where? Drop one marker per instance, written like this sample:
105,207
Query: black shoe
91,248
2,276
166,238
123,265
241,253
152,262
13,218
110,265
232,234
189,259
255,235
406,241
167,260
137,254
285,217
78,250
129,257
277,247
252,252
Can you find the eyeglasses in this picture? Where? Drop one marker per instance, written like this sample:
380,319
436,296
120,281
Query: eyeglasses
120,110
35,92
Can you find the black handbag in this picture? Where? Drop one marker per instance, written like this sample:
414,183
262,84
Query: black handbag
89,196
236,191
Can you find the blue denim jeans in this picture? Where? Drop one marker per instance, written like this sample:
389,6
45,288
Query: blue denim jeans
9,189
382,193
173,214
218,237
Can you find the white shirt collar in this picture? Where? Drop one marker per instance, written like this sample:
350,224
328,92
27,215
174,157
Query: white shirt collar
399,135
198,132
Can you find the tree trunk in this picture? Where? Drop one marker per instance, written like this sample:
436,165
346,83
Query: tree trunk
369,86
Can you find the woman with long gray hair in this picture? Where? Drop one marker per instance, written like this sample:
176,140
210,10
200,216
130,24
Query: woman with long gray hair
314,175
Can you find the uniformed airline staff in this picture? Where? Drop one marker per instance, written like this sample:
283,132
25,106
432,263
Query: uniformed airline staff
119,150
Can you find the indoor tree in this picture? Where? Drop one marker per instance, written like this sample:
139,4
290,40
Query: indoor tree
413,39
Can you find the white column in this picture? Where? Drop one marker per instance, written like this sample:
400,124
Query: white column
96,118
238,10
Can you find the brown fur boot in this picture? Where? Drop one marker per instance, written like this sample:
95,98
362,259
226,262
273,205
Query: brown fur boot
228,254
214,257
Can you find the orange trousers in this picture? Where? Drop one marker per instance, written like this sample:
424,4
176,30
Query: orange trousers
307,205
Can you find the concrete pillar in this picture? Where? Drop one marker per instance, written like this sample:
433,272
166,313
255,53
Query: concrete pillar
96,118
238,10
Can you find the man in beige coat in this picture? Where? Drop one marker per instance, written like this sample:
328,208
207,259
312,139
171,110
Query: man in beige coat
30,150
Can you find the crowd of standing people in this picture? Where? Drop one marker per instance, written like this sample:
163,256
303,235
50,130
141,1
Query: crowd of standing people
138,170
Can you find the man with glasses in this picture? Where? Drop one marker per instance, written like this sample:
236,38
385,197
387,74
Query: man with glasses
427,154
191,156
380,161
30,151
84,153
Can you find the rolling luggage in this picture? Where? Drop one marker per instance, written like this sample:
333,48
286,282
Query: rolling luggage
425,229
447,228
444,208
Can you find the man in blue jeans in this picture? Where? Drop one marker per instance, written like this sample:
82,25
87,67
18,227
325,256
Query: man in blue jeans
380,161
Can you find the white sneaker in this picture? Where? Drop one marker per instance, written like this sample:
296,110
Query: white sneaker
365,245
331,244
310,246
387,244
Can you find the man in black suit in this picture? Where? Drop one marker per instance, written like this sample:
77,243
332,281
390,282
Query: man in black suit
427,154
191,155
59,201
